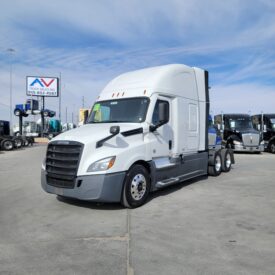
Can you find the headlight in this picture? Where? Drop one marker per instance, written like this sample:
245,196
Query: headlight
262,142
44,164
102,165
237,142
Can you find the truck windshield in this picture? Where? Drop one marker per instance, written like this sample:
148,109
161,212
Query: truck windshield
240,123
120,110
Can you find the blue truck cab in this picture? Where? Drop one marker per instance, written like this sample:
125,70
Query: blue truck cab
214,137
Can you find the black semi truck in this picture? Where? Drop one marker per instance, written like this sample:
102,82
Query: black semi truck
8,142
238,133
265,123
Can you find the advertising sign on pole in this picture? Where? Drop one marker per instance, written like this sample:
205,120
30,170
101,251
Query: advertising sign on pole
42,86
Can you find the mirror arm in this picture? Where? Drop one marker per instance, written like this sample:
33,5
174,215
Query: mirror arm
153,128
100,142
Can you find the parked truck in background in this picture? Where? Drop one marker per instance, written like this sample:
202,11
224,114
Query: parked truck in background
265,123
147,130
238,133
8,142
214,135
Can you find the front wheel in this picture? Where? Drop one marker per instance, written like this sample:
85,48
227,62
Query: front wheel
136,187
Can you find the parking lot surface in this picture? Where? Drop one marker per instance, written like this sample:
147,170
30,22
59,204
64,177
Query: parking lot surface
222,225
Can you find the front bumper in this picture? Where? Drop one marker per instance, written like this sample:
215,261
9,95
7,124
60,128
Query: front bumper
100,188
243,148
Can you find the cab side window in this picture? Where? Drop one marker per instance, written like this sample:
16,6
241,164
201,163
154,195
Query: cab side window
155,118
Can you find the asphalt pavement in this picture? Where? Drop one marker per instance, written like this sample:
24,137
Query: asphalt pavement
222,225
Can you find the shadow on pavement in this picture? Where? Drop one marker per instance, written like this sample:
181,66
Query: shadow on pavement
175,187
89,204
117,206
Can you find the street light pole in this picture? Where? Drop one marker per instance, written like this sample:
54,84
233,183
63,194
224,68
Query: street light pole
60,93
10,50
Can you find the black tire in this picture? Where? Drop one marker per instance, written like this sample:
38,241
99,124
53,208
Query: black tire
136,187
216,169
17,112
229,145
18,142
226,161
272,147
31,140
7,144
26,142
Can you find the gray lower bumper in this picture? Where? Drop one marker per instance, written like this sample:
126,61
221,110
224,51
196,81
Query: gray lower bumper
242,148
101,188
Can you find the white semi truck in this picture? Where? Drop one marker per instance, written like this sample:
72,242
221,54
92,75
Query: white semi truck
148,129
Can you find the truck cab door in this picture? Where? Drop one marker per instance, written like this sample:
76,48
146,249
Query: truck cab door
162,137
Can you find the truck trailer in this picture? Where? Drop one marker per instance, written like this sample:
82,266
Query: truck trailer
265,123
238,133
148,129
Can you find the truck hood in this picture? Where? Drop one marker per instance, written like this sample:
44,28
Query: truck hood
91,133
128,146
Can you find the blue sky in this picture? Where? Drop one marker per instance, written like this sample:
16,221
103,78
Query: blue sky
90,42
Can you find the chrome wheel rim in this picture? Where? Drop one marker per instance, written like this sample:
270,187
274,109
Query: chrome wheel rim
272,148
18,143
228,161
8,145
138,187
218,163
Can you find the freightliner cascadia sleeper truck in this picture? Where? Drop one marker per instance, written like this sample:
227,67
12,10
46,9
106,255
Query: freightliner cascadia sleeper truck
148,129
265,123
238,133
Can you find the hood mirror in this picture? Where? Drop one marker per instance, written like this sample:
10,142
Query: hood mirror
114,130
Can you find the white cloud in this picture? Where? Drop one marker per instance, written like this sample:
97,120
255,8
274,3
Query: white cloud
242,98
234,40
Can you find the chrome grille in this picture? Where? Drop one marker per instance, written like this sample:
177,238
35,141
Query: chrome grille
251,139
62,162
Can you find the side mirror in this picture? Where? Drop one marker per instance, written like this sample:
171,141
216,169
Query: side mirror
114,130
265,128
258,127
219,126
163,113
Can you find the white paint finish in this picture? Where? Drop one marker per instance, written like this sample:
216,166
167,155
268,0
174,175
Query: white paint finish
174,79
177,84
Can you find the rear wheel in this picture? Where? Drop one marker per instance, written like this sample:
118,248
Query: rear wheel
272,148
7,145
216,169
226,161
136,187
26,142
18,142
